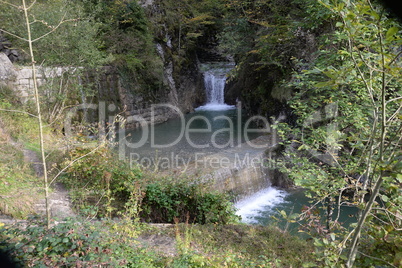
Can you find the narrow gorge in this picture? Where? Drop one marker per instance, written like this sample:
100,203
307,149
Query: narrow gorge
272,124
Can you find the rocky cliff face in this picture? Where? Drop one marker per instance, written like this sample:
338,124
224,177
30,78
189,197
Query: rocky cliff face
259,83
182,92
181,84
182,89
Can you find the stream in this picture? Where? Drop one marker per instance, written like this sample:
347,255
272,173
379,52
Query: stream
211,129
264,208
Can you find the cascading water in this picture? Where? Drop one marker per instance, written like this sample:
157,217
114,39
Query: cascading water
215,81
215,85
249,208
253,208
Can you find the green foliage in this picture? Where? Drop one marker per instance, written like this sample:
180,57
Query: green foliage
62,33
187,22
247,246
187,201
70,243
125,33
316,15
77,242
101,180
347,103
383,227
266,30
235,39
185,29
263,36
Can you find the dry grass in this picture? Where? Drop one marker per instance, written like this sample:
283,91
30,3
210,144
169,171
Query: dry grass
19,187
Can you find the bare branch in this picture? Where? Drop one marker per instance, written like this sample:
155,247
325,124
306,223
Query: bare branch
7,3
16,111
397,112
72,162
41,21
32,4
395,99
378,259
14,35
395,58
398,216
54,28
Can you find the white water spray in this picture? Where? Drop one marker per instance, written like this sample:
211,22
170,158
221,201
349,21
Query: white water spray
265,200
215,81
215,85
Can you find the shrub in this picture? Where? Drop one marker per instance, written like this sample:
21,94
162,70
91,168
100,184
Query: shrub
185,200
72,244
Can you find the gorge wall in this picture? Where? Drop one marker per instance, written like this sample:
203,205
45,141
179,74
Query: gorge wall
110,86
162,67
158,67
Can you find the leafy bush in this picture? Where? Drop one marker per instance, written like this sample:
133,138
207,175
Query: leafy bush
187,201
78,244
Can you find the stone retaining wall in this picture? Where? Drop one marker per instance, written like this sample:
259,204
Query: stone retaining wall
24,82
20,78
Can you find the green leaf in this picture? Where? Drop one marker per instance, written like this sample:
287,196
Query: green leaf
390,33
322,84
339,24
332,236
318,243
283,213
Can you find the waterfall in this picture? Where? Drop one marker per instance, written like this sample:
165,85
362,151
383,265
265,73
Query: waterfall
262,202
214,86
215,81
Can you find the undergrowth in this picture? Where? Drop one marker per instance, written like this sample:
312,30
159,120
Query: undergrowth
105,243
72,243
103,186
19,186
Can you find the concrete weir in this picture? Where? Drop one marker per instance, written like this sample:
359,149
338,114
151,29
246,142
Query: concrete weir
240,170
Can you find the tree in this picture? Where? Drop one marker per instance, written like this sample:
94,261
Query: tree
348,143
25,8
35,29
73,44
